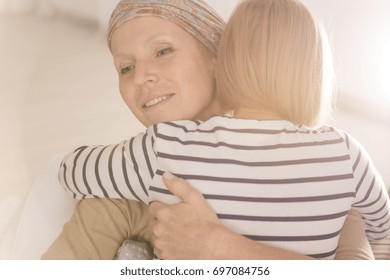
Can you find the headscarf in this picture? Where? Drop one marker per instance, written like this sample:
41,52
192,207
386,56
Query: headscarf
195,16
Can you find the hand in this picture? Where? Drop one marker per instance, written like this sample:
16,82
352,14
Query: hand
191,230
183,230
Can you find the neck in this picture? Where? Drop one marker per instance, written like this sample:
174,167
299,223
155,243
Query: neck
247,113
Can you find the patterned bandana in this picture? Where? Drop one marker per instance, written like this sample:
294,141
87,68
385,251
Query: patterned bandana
195,16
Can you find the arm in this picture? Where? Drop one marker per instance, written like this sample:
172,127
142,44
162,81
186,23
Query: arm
114,171
191,230
353,243
371,199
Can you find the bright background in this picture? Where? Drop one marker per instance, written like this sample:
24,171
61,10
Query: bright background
58,87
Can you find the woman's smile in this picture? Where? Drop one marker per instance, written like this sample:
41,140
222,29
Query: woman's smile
155,101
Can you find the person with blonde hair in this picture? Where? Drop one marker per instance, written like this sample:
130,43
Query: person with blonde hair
259,169
275,57
274,63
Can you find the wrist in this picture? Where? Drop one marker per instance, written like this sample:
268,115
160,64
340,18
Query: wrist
221,241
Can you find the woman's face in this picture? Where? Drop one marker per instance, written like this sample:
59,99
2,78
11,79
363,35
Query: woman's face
165,74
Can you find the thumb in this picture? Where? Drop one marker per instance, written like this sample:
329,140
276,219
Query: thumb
181,188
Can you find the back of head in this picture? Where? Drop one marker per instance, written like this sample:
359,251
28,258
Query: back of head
272,55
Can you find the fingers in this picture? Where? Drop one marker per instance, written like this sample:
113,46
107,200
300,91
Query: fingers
159,234
155,224
155,206
162,216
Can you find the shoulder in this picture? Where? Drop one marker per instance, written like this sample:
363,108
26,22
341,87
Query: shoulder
181,127
351,142
334,131
355,148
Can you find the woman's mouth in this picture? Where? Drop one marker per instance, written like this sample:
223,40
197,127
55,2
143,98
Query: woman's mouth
157,100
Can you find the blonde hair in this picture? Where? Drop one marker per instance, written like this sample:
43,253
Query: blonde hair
273,54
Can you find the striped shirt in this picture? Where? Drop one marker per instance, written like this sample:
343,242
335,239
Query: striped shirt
271,181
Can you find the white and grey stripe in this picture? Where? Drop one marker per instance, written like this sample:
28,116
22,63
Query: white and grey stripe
271,181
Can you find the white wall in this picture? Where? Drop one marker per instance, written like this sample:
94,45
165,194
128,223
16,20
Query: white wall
87,9
97,10
359,31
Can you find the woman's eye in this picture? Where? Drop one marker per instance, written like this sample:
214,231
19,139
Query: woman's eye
164,51
127,69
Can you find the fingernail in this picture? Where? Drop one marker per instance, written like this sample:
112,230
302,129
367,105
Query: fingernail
168,175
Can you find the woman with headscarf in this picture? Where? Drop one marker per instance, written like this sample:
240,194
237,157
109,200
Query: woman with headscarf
164,52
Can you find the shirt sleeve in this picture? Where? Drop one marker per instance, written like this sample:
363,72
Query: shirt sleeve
123,170
372,199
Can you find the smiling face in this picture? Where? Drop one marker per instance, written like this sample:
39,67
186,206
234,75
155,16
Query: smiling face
165,74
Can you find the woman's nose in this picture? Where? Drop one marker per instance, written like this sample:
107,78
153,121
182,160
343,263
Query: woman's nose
145,74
